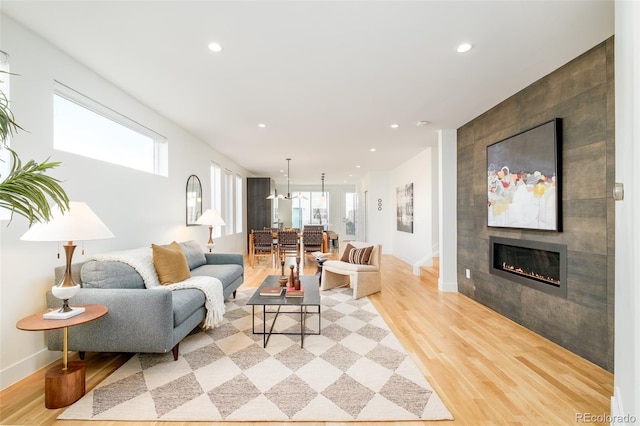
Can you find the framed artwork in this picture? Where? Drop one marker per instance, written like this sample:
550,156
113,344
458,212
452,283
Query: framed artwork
404,211
523,179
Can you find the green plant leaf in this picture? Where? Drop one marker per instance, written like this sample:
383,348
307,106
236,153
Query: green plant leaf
28,189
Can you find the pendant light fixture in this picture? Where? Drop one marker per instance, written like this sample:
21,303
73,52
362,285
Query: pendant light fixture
280,196
288,197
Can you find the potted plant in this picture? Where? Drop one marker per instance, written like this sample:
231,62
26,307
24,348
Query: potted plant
26,190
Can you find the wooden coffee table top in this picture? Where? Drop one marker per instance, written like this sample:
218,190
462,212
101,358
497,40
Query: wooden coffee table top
35,322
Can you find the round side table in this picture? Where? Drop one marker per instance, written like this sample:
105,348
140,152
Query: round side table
64,383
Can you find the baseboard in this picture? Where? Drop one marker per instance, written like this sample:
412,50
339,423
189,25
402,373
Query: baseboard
447,286
425,261
618,416
21,369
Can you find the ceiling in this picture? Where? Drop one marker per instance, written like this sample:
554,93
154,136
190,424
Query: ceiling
328,78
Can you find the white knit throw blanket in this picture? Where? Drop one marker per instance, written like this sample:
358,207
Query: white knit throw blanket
141,260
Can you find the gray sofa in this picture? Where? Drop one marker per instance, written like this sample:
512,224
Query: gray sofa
141,320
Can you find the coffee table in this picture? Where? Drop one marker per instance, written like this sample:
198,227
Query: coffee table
301,304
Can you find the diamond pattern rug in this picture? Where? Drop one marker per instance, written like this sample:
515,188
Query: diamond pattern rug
355,370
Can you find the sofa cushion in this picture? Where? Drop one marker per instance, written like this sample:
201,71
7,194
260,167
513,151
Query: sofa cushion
194,254
227,274
185,303
109,274
170,263
360,256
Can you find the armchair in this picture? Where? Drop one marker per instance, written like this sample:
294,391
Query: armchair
364,279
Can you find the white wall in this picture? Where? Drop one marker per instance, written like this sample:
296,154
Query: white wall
626,400
138,207
380,223
415,248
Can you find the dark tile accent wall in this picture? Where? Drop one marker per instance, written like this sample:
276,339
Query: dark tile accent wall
582,94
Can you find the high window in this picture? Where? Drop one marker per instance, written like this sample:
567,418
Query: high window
5,158
216,194
239,221
85,127
229,196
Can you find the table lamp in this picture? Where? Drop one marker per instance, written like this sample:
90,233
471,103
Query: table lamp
78,223
212,218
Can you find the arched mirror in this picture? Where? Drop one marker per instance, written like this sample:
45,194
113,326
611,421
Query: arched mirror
194,200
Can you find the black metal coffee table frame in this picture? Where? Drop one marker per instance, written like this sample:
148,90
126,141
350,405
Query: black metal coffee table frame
311,298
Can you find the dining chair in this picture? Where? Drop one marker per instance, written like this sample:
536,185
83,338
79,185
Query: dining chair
263,245
288,243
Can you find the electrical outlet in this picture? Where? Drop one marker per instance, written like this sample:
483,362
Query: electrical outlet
467,273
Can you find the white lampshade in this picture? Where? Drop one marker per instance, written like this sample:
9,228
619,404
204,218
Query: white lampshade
79,223
210,217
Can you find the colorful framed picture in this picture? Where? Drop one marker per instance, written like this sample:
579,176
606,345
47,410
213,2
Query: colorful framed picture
523,179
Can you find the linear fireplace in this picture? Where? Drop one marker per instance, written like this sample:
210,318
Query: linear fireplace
542,266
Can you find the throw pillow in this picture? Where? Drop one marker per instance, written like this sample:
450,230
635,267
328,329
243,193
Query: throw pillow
194,254
170,263
359,256
346,252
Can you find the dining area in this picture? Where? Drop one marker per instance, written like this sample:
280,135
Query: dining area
274,244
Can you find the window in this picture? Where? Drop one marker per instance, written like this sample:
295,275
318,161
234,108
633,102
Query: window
5,158
216,197
228,201
238,204
85,127
309,208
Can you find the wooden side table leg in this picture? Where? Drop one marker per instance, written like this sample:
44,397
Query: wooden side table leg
64,386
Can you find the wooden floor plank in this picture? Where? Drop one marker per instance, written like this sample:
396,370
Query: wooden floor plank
487,369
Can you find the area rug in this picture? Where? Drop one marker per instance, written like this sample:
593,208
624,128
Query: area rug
356,369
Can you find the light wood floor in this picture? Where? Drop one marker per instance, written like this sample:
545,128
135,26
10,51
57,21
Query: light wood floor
486,369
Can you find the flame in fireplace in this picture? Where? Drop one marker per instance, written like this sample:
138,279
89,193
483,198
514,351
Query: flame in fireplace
529,274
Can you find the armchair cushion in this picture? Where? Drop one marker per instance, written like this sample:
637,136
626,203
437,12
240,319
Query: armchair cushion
360,256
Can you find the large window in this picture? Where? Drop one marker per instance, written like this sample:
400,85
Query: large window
85,127
239,211
216,194
5,158
309,208
228,216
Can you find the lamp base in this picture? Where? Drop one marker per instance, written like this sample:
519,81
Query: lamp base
63,315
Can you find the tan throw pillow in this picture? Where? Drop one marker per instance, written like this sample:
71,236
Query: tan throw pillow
359,256
171,263
346,252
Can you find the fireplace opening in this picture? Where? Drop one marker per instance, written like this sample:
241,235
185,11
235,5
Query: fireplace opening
538,265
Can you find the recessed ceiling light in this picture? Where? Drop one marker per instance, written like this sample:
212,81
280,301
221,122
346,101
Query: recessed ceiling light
464,47
372,150
394,126
215,47
357,167
422,123
262,125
